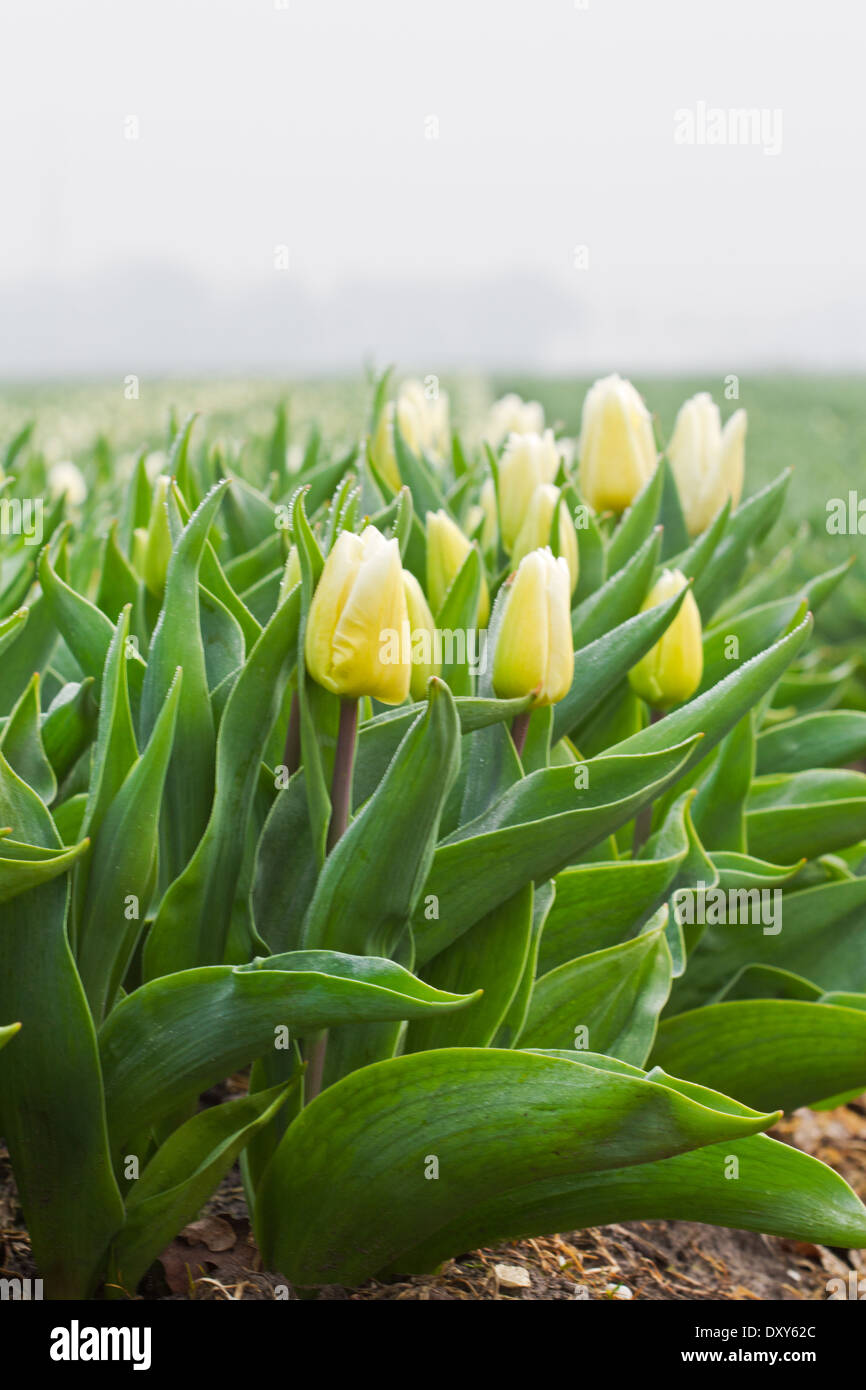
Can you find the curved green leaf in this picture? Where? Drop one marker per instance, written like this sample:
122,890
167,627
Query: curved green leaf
826,739
774,1189
717,711
23,866
182,1175
364,1145
619,597
805,814
123,864
605,662
51,1104
612,998
532,832
21,742
371,880
780,1052
491,956
177,642
184,1032
192,923
821,938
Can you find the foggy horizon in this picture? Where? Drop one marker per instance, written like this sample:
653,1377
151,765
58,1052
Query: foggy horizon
566,187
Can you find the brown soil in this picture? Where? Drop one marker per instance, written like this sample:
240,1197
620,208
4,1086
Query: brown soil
215,1257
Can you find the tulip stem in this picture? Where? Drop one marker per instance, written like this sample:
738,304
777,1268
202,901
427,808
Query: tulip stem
317,1046
341,805
292,751
519,727
344,762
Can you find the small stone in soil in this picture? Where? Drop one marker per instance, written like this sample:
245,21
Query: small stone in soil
512,1276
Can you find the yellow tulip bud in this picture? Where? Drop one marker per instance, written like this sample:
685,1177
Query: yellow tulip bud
535,647
422,636
535,531
527,461
152,546
511,415
708,462
616,447
671,670
67,479
483,514
291,573
382,447
424,421
357,609
447,548
487,502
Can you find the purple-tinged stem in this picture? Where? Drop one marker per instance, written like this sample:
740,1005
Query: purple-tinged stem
344,762
341,806
519,727
292,750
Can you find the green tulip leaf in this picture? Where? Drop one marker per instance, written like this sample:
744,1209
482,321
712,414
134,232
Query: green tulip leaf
69,725
11,628
636,523
774,1189
736,640
492,956
364,1146
604,663
372,878
818,934
51,1103
182,1175
611,999
22,746
719,709
184,1032
746,527
192,924
24,866
177,641
828,738
779,1052
123,864
532,832
619,597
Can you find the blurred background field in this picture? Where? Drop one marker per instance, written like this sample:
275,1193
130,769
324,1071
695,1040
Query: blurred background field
815,425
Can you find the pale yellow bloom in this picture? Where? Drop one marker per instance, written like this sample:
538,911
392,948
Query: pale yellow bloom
708,462
485,511
422,634
616,447
527,461
358,604
382,447
511,415
66,478
535,647
447,548
424,418
671,671
535,531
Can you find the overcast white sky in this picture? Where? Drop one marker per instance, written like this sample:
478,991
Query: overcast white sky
305,124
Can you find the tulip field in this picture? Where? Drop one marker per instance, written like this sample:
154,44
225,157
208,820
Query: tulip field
476,783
